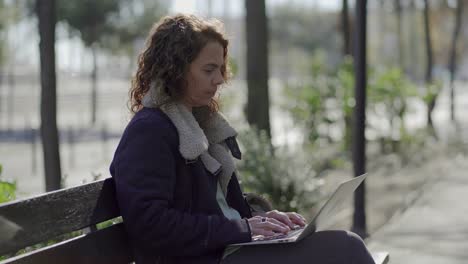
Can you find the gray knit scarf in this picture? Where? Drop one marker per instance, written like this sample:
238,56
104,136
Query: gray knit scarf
201,134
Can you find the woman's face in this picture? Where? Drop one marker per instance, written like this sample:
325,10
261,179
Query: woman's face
204,76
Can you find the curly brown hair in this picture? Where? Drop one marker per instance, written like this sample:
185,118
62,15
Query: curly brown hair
173,43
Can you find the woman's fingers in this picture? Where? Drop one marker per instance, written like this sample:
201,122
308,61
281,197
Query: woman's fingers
267,227
275,222
282,217
275,226
297,218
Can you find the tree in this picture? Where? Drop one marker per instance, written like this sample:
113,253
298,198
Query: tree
431,98
3,23
91,19
398,10
50,140
131,25
413,38
11,13
2,47
292,25
453,56
258,102
345,28
346,52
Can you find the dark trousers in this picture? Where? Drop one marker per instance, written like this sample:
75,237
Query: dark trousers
326,247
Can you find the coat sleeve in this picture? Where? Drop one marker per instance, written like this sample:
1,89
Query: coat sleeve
144,171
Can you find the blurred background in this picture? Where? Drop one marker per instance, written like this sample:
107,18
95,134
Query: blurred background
295,152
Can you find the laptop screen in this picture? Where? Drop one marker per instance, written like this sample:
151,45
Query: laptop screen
333,206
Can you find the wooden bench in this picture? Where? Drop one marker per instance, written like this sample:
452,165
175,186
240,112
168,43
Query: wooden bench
53,216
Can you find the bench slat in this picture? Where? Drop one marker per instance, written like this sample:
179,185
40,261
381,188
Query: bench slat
46,216
108,245
380,257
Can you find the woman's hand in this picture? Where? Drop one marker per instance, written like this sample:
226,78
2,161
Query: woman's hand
290,219
265,226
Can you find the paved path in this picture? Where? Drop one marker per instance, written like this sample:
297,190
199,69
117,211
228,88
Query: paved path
434,227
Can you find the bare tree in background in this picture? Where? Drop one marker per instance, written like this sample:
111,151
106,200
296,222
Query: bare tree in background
91,19
453,56
347,51
413,38
50,140
398,10
346,28
429,64
258,103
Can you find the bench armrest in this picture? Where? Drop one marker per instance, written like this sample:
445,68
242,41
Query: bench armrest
257,203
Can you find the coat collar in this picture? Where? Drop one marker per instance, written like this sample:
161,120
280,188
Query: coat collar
196,130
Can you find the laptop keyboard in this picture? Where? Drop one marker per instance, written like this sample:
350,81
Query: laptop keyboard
291,233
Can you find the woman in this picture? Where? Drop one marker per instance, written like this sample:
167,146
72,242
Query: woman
174,171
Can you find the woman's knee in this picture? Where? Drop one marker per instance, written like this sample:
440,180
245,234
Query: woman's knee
358,249
354,239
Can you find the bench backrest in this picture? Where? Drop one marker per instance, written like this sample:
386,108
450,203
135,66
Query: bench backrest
52,214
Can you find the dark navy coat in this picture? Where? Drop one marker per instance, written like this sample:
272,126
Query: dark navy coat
168,204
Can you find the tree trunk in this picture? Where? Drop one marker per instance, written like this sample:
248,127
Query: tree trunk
347,51
428,75
399,33
258,102
380,34
413,41
359,139
346,28
1,95
453,56
94,86
10,112
49,133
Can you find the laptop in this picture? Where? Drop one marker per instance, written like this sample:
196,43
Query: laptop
320,221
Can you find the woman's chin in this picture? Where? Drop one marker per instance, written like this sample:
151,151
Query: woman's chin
204,103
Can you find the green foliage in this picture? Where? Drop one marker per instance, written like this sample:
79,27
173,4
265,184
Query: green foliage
319,103
61,238
7,193
432,90
303,28
389,91
10,13
234,66
115,24
345,79
391,88
109,223
7,189
44,244
133,22
286,180
326,102
90,18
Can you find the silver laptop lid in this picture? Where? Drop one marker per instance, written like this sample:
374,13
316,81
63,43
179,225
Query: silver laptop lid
332,206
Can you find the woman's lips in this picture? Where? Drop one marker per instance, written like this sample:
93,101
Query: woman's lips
211,94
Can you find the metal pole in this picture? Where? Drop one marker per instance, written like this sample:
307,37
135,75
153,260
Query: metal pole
359,140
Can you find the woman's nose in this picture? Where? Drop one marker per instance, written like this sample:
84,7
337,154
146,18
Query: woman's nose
218,79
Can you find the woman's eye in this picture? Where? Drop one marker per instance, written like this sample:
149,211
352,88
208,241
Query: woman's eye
208,71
